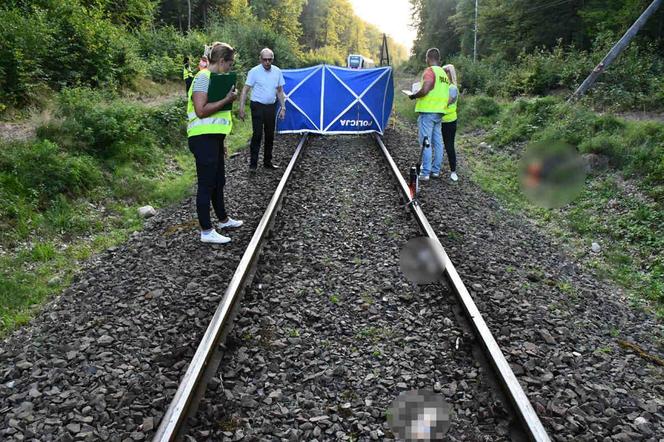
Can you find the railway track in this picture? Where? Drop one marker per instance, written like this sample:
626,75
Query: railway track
203,368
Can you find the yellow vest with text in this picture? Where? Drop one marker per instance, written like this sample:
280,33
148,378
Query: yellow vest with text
436,100
450,113
220,122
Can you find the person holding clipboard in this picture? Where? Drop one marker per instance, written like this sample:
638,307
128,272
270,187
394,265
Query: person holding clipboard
209,105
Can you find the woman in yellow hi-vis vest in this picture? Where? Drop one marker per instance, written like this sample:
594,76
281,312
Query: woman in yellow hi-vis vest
449,124
207,128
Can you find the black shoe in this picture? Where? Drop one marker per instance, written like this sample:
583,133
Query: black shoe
271,166
252,170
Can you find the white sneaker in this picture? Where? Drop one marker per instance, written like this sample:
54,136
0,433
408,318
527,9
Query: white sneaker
454,176
230,224
214,238
424,177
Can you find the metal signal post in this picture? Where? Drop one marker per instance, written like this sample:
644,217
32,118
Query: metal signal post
384,53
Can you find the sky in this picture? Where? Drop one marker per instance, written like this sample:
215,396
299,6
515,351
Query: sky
390,16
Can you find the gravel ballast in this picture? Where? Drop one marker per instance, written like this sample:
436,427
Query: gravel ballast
103,360
331,332
565,332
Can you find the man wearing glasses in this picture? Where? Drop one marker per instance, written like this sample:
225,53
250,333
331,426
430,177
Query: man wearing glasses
266,83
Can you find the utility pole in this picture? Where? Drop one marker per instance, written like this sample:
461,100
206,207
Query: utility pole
189,15
475,43
616,50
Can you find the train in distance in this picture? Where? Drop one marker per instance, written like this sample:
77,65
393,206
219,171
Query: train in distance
356,61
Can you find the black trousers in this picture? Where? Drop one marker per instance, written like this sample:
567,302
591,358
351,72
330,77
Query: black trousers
263,120
211,172
187,84
449,132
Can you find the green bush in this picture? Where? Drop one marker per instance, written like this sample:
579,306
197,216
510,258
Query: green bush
537,73
324,55
523,118
41,171
634,80
168,124
58,44
164,41
635,147
478,111
62,43
250,39
114,131
164,68
24,40
479,78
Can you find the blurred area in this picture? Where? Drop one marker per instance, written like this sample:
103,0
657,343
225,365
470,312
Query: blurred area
418,261
551,174
419,415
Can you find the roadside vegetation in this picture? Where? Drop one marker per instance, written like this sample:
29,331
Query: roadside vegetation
75,189
49,45
77,71
540,47
531,55
621,207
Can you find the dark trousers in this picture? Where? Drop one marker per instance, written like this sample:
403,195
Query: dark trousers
449,132
187,84
211,171
263,119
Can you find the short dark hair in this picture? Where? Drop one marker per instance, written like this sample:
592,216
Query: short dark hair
433,54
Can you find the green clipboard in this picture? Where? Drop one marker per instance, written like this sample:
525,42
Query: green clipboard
220,85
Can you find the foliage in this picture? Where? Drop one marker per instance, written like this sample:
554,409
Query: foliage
62,190
115,132
635,80
282,17
36,172
628,224
330,28
523,51
634,147
114,45
508,29
479,111
40,42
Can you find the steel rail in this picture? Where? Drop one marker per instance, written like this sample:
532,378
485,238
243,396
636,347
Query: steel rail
208,355
524,410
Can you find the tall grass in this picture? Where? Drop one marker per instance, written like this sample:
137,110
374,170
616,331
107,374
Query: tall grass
80,182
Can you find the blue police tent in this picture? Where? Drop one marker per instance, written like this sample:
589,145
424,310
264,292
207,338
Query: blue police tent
332,100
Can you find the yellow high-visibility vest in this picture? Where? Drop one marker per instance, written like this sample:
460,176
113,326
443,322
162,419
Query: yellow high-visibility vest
220,122
186,73
436,100
450,113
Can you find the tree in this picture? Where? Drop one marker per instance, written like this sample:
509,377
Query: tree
283,16
435,28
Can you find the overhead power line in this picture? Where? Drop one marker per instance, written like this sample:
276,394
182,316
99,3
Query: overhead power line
552,4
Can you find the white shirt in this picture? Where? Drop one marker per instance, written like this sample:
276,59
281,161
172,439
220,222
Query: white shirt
264,83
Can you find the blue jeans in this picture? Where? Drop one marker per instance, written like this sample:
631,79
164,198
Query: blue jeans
429,126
